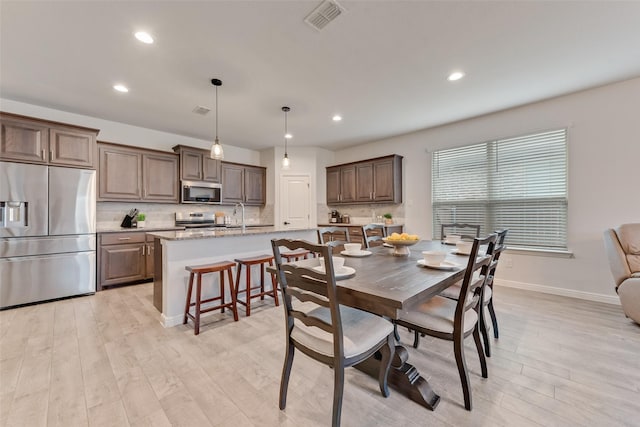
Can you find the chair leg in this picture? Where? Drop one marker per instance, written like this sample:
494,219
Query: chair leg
234,306
494,319
482,321
188,304
274,284
458,350
286,372
221,290
483,360
416,339
385,364
396,335
262,282
199,298
338,389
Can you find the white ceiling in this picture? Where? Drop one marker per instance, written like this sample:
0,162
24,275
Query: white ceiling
382,64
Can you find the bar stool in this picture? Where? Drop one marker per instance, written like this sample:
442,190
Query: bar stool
261,260
295,255
199,270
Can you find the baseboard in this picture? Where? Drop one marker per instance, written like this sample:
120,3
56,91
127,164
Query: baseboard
168,322
589,296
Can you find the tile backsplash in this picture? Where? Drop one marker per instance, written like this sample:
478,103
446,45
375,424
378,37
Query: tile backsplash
362,213
110,214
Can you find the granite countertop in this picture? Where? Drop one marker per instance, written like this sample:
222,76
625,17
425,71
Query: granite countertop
117,229
208,233
358,224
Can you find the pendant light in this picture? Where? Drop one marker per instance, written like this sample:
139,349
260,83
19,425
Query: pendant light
286,163
216,149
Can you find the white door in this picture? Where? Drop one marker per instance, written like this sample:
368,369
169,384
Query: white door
294,201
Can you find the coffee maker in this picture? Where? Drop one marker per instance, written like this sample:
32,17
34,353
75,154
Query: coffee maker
334,217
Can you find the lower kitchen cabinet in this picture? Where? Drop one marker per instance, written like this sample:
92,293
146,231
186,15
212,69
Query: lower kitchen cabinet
125,257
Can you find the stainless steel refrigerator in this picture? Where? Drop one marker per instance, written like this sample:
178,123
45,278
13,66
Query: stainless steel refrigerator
47,233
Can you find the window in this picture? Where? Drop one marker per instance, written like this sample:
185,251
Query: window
515,183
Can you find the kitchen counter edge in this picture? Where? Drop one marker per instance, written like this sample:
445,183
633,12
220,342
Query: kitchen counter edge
200,233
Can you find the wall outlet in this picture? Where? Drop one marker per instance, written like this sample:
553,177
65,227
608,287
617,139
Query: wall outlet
508,261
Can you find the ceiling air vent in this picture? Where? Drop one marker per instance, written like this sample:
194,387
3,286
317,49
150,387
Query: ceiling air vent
201,110
326,12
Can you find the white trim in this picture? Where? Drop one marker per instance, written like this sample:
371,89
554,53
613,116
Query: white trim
169,322
572,293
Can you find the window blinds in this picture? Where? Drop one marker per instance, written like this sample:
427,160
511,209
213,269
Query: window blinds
516,183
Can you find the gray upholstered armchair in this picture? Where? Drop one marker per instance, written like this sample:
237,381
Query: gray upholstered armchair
622,245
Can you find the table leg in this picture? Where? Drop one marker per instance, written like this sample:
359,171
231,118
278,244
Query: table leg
403,377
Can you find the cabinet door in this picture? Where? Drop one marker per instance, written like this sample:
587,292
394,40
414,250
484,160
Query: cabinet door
364,182
190,165
121,264
333,185
160,177
210,169
347,184
24,140
254,186
72,148
120,175
383,180
232,183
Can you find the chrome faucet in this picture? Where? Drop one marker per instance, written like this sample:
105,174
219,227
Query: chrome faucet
234,212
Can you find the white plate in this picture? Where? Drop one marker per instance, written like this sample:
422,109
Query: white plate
387,245
445,265
356,254
344,271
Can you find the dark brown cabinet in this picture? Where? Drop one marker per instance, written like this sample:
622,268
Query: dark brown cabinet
128,173
125,257
369,181
121,258
341,184
40,141
196,165
243,184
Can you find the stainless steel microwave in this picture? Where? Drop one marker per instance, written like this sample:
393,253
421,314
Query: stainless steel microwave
201,192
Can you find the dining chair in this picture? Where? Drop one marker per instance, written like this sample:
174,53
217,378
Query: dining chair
333,334
373,235
335,237
453,292
466,231
452,320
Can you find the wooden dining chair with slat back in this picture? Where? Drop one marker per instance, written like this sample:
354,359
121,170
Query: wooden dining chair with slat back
318,326
453,292
466,231
452,320
373,233
335,237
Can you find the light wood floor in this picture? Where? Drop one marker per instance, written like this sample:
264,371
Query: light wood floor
106,360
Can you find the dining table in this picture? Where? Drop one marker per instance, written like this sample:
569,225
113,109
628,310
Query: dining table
384,283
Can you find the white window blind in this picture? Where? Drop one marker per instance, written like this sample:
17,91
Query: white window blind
516,183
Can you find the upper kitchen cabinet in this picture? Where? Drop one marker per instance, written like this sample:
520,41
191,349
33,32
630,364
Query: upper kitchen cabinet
197,165
369,181
26,139
243,184
128,173
341,184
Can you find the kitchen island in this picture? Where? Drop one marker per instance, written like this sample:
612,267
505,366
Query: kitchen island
174,250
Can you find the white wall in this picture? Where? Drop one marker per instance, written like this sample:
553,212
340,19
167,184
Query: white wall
604,179
122,133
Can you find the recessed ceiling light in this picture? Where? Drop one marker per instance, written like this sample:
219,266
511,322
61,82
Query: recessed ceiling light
337,118
457,75
288,135
144,37
121,88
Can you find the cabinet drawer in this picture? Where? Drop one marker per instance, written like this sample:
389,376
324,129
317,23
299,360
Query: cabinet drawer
122,238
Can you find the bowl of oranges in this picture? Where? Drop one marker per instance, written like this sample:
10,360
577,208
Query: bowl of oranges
401,242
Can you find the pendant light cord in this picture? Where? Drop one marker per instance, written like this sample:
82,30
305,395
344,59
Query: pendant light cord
285,132
216,114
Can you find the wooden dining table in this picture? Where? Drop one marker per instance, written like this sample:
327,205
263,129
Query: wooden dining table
385,284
